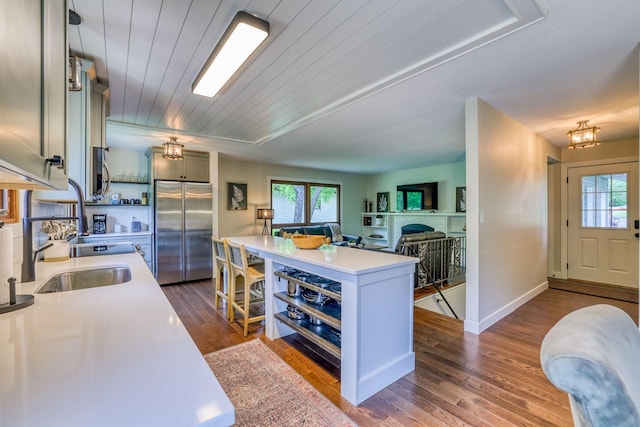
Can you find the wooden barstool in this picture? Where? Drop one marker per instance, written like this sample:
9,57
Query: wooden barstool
253,280
221,259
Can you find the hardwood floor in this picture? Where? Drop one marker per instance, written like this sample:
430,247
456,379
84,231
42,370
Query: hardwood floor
491,379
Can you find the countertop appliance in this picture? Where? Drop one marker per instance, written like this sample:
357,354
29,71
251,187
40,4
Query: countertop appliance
183,228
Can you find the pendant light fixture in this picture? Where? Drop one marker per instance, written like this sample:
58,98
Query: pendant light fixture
584,136
173,150
243,36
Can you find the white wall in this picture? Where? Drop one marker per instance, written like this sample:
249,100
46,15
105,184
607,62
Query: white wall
257,177
506,214
448,176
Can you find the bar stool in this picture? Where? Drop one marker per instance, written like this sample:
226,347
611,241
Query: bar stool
221,264
253,280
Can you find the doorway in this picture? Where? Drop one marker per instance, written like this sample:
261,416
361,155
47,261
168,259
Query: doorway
601,234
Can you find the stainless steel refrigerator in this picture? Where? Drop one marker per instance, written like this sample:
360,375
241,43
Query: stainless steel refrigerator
182,212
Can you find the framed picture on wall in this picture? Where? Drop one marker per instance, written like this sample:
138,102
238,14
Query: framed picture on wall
237,194
461,199
382,202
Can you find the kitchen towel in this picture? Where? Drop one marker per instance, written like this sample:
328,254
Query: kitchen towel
6,262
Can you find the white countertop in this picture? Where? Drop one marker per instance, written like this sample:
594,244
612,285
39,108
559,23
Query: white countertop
345,259
111,356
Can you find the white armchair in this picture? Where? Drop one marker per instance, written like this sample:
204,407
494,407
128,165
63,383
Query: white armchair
592,354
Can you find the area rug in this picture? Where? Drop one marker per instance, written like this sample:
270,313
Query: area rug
267,392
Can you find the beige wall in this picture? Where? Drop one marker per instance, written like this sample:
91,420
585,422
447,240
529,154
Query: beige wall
448,176
506,214
607,150
257,176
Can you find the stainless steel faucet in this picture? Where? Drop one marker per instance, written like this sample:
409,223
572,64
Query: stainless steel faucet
28,254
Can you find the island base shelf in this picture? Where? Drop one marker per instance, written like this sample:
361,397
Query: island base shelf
322,335
329,314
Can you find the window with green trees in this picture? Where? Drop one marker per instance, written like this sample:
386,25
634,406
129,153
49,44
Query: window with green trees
304,203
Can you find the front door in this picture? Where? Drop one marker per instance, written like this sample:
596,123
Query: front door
603,205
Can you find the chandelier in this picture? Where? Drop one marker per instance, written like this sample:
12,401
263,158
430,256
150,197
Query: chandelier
584,136
172,150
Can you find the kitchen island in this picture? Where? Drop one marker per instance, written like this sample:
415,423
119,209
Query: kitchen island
371,317
115,355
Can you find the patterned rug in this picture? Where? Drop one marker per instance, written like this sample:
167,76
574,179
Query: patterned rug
267,392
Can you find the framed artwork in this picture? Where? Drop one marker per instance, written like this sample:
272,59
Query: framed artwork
461,199
237,194
382,202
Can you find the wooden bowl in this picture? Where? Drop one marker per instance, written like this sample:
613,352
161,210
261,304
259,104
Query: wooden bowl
307,241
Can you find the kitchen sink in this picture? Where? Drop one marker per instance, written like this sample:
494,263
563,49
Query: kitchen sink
84,279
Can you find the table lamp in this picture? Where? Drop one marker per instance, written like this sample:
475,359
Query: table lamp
265,214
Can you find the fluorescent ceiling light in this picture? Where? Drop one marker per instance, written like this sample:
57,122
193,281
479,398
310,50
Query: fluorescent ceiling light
239,41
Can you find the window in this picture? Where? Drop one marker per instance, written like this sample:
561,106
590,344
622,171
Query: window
9,201
604,201
304,203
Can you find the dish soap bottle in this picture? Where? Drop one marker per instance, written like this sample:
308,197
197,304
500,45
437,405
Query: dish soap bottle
136,226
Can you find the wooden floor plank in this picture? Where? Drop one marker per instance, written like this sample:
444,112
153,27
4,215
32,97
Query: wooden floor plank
461,379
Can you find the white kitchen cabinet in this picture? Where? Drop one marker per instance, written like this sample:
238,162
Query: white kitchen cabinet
194,167
33,82
79,137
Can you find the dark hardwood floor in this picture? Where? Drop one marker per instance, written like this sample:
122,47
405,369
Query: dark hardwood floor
491,379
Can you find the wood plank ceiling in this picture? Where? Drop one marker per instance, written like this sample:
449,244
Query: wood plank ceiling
321,57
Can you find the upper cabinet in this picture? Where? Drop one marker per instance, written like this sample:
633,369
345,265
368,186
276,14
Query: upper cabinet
194,167
86,111
33,84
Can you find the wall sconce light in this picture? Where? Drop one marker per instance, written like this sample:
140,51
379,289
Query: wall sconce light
243,36
265,214
584,136
173,150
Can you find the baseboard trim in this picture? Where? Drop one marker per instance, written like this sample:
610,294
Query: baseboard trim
501,313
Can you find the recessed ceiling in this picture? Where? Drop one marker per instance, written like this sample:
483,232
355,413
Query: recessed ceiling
363,86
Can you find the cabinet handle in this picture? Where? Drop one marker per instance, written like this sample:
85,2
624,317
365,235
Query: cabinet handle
56,161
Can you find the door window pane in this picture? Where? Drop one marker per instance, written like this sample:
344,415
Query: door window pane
604,201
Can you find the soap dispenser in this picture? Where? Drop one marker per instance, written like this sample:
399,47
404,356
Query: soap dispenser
136,226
